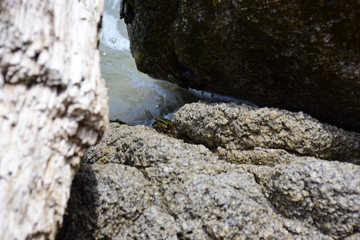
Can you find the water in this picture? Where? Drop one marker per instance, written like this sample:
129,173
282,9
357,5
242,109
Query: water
133,96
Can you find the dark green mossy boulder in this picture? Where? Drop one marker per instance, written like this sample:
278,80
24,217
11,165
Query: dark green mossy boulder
293,54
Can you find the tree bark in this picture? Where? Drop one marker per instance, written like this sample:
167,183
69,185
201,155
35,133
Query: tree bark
53,105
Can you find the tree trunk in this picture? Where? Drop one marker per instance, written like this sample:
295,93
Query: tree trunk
53,105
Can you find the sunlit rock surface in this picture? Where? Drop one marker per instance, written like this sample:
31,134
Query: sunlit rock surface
241,127
137,183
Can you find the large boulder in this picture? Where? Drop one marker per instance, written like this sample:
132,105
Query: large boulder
297,55
140,184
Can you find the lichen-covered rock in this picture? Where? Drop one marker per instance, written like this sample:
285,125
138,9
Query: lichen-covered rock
140,184
297,55
241,127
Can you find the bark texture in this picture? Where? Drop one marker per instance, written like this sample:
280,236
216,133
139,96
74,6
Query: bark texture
53,105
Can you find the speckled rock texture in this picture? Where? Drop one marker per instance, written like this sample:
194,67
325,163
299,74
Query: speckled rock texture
318,192
140,184
106,199
295,54
232,127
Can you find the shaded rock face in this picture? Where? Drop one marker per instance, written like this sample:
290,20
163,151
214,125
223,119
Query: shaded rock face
297,55
141,184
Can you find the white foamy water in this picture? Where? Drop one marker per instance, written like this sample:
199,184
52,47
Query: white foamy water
110,35
133,96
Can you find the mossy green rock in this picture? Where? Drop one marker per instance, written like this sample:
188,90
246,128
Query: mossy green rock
294,54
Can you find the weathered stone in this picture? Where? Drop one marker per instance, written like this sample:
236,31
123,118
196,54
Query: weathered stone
105,200
257,156
217,200
355,236
241,127
326,194
153,223
140,184
141,146
297,55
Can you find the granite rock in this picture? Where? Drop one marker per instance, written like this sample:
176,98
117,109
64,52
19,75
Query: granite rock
105,200
325,194
235,127
140,184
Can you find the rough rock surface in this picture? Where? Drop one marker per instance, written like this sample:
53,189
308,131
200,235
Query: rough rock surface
140,184
296,55
239,127
111,196
315,191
